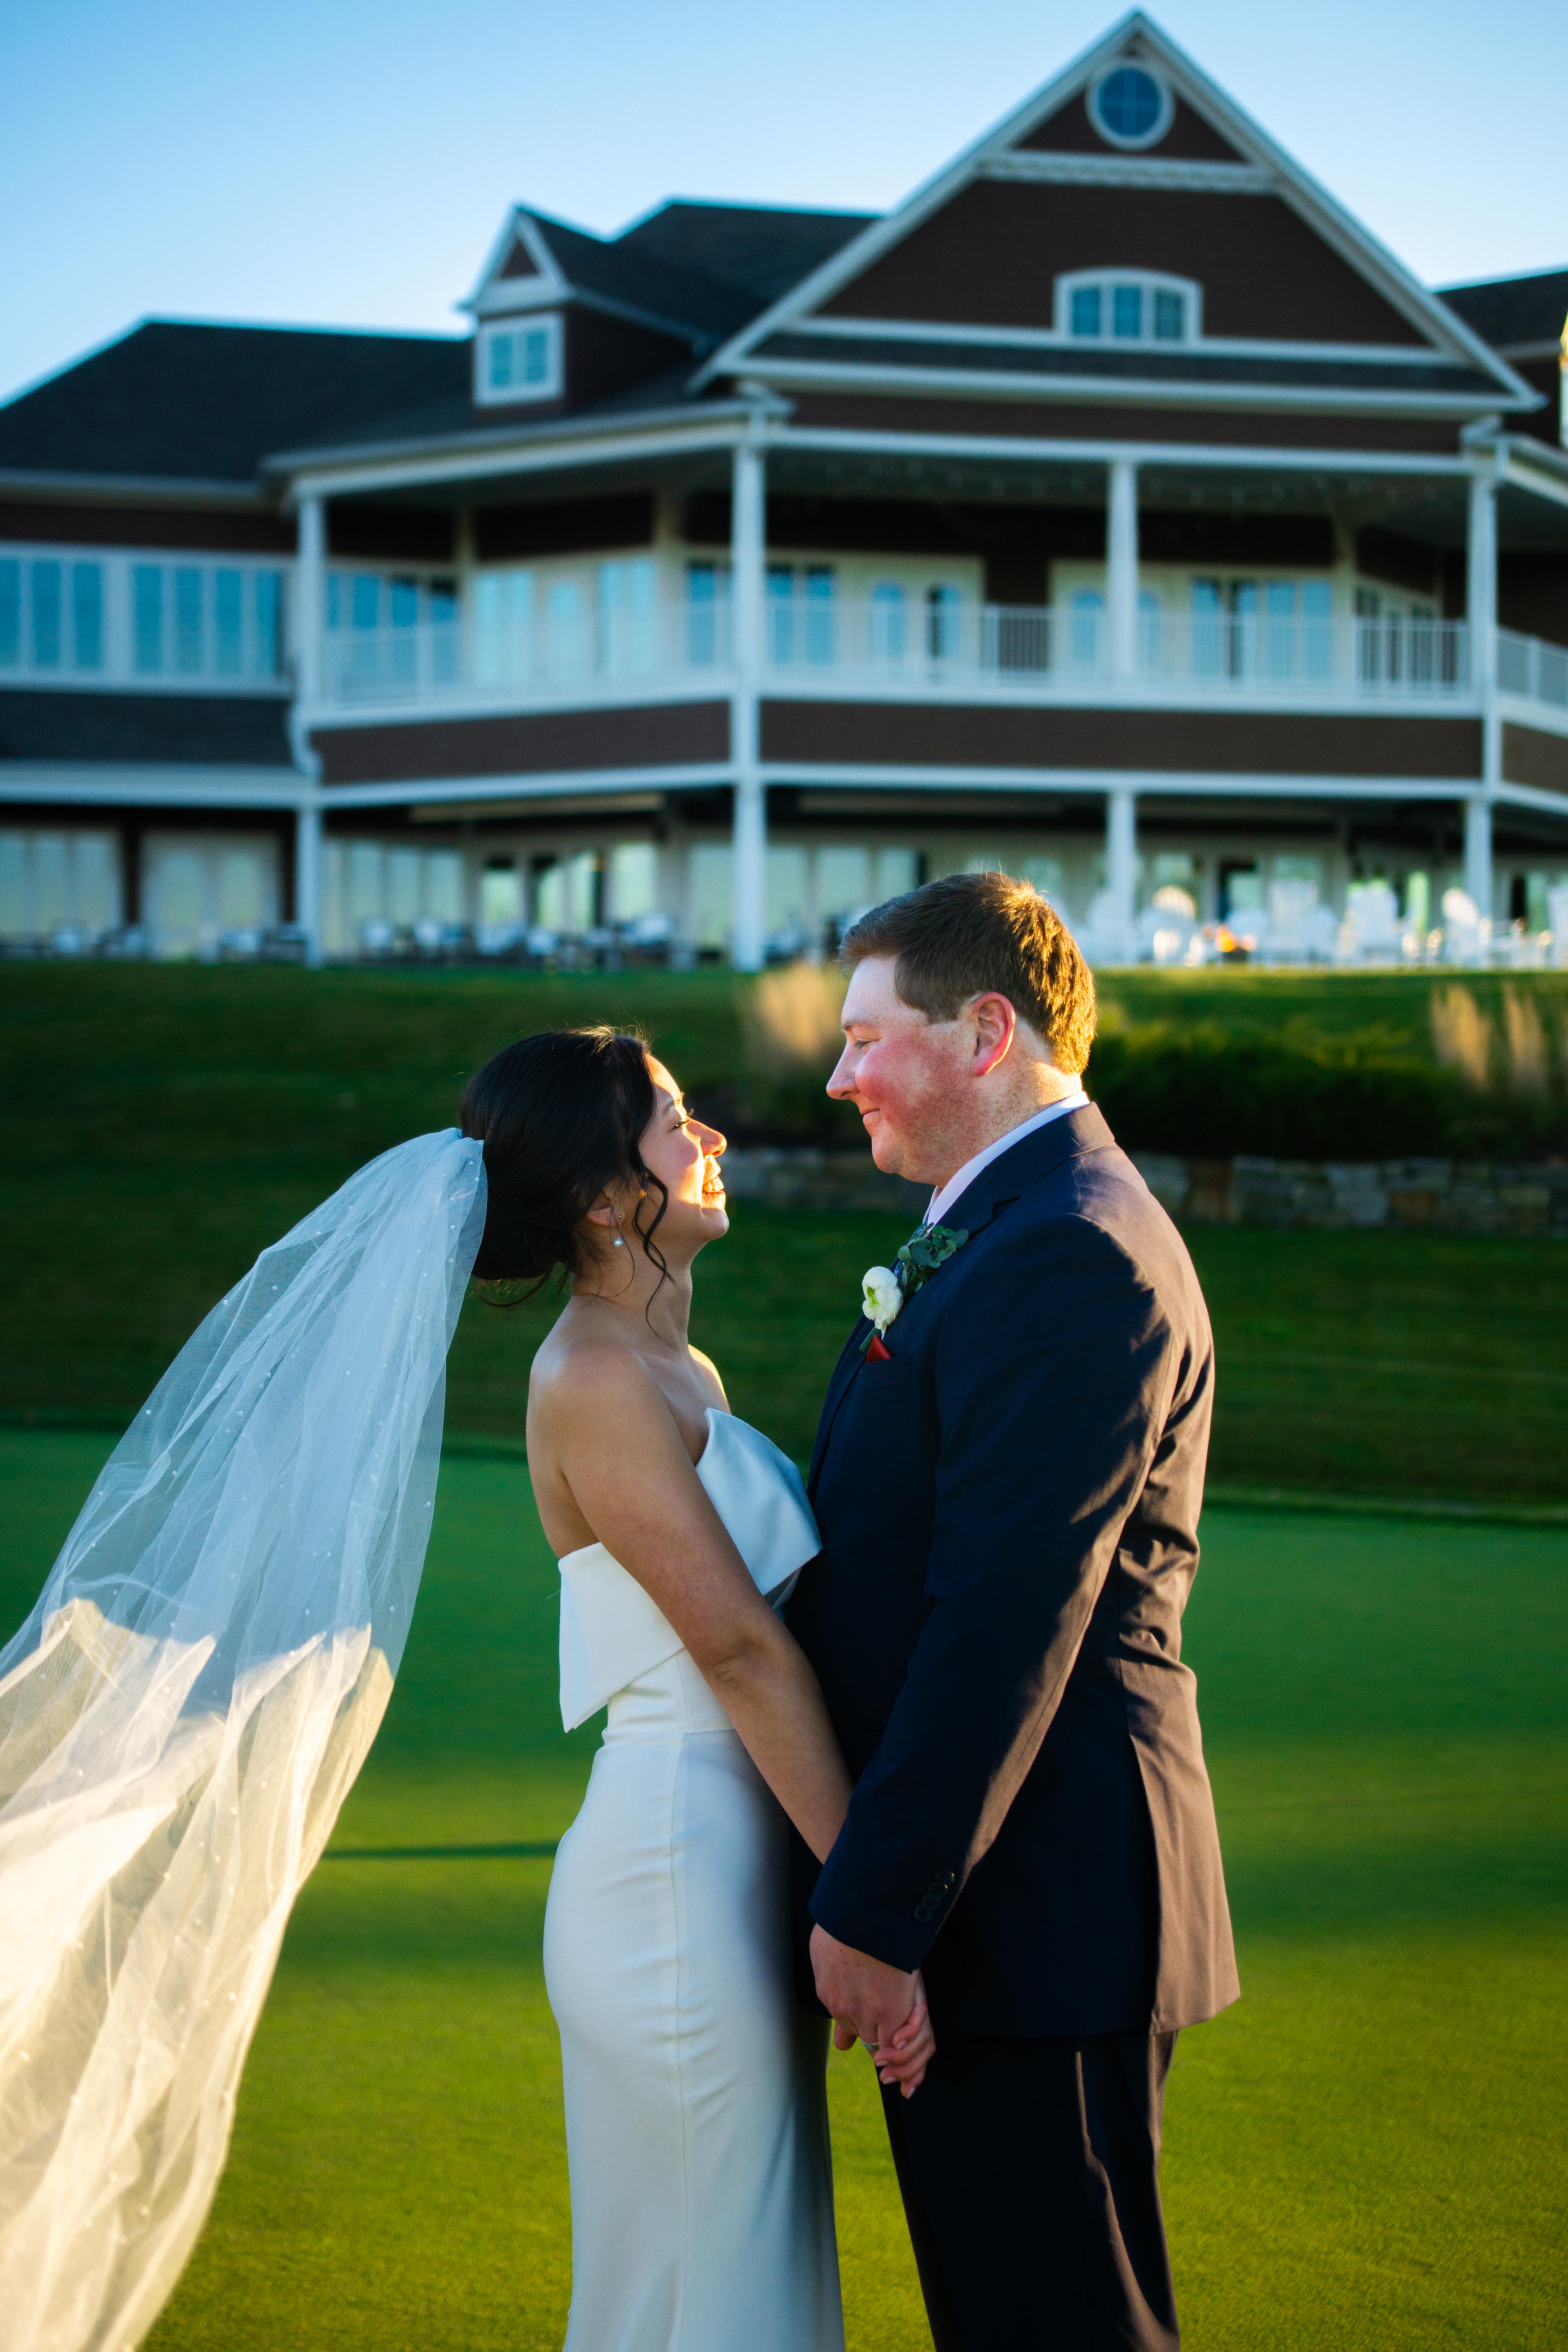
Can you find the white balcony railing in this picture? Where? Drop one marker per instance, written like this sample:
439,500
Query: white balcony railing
1533,671
1201,656
499,659
579,655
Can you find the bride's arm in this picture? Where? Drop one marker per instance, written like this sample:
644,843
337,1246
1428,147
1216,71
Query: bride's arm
613,1441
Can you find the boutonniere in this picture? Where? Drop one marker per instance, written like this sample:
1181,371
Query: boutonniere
884,1288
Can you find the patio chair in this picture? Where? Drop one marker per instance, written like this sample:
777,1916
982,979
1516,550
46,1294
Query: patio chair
1373,912
1287,932
1557,925
1466,932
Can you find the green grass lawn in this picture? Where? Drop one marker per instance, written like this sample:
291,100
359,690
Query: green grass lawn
163,1124
1366,2152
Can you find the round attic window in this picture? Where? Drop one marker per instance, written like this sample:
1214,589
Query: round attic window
1130,106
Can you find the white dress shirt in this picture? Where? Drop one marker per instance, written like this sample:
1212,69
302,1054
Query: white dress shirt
941,1200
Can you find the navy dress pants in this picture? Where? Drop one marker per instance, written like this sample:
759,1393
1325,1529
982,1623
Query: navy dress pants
1029,2171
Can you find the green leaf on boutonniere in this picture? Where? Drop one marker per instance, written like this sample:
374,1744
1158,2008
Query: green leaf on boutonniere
928,1249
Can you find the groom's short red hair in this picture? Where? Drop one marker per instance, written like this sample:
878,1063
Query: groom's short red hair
973,933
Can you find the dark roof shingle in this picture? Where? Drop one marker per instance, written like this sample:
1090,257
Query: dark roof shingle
1509,311
760,249
178,400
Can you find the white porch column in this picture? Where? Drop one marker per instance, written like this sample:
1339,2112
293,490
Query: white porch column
747,561
1480,612
1479,851
307,622
1121,859
1121,567
308,876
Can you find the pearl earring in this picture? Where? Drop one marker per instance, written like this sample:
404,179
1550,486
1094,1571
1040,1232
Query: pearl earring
618,1243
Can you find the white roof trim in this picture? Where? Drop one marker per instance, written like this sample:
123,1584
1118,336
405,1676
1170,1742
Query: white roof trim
1139,392
1296,187
519,228
1048,339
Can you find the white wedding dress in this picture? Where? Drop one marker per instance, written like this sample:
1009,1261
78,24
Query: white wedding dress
696,2103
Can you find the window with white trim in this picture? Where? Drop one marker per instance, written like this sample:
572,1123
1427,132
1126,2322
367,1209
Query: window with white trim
518,360
1128,306
1130,107
80,620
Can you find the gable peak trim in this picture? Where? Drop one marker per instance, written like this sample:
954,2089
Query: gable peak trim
1136,38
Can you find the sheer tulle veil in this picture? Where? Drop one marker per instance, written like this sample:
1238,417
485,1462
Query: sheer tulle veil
182,1717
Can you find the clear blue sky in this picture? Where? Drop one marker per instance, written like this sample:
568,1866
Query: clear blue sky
348,161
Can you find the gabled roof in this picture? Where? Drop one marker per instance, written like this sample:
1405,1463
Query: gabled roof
564,264
1516,315
176,400
697,270
762,250
1236,155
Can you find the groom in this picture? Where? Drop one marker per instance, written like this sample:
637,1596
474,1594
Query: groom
1007,1485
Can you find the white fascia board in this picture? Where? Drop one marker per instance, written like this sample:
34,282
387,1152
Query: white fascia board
395,464
194,690
1535,467
1152,782
551,786
1295,186
124,784
1530,796
1048,339
518,226
1201,455
716,685
1128,171
1536,717
146,489
1159,696
1129,392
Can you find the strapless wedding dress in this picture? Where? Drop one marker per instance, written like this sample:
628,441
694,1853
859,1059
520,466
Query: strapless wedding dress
696,2104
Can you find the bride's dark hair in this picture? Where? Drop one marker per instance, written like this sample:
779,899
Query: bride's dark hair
561,1117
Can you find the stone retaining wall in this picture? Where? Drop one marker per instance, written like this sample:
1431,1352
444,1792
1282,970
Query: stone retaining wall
1431,1195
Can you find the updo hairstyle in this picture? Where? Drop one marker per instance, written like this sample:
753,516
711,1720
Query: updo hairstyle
561,1117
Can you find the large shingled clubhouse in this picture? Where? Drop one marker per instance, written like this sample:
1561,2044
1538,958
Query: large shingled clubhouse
1116,509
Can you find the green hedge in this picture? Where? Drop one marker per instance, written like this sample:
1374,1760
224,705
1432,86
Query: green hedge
1197,1092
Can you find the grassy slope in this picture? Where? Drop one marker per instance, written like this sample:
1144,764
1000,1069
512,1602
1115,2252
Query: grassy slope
163,1125
1366,2152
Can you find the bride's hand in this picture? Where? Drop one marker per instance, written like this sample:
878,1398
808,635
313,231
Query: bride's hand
905,2058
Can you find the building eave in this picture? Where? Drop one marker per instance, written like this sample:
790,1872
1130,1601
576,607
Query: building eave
1123,392
134,489
718,422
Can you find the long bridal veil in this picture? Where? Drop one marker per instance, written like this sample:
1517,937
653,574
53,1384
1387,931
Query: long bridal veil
182,1717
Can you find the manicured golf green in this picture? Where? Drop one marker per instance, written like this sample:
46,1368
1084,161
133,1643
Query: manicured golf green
1366,2152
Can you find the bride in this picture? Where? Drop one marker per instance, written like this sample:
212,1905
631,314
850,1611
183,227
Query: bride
695,2123
192,1696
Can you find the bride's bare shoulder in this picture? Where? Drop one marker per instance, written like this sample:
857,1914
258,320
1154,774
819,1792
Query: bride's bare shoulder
578,1369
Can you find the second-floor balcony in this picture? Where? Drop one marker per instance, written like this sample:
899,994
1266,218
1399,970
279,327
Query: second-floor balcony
948,650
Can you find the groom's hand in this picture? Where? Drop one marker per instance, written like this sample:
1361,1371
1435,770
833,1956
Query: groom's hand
873,2003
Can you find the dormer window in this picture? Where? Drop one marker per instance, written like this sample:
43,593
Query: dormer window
1123,306
518,360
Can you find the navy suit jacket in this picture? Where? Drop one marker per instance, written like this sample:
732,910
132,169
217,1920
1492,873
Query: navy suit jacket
1009,1512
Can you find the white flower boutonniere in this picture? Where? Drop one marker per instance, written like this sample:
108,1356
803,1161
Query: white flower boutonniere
884,1288
883,1298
